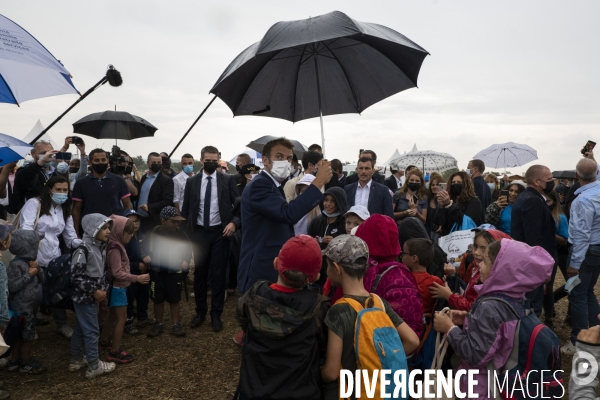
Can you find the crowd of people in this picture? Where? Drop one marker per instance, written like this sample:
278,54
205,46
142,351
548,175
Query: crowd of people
306,245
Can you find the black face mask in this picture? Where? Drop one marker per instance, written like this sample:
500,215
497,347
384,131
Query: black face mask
549,187
237,168
119,169
155,168
414,186
456,189
99,168
73,170
210,167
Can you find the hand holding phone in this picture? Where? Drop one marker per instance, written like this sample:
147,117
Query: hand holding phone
444,186
589,146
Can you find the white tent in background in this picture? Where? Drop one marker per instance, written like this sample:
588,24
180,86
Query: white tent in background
35,131
392,158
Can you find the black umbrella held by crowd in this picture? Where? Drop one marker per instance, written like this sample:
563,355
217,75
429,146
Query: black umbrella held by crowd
114,125
326,65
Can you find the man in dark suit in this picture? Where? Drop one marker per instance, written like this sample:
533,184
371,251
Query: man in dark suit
532,222
377,177
475,170
338,179
156,193
208,208
394,181
268,219
376,197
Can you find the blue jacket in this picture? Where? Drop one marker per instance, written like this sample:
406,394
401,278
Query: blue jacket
380,201
268,221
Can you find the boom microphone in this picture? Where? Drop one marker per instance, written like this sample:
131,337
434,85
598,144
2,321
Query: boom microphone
113,76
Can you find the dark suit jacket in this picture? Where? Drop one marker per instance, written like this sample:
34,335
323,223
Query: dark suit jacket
391,183
483,191
227,192
532,222
268,221
377,177
159,197
380,201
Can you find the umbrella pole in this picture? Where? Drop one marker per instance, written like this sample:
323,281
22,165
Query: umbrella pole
315,56
188,131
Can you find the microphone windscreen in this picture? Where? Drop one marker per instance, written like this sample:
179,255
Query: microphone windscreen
113,76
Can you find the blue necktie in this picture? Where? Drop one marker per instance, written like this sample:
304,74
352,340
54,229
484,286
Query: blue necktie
207,202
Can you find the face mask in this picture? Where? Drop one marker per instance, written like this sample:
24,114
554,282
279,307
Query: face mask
237,168
99,168
281,169
59,198
549,187
62,168
414,186
210,166
468,171
155,168
335,214
73,170
456,189
251,176
492,186
188,169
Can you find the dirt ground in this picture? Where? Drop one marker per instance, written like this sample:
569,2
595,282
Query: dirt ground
201,365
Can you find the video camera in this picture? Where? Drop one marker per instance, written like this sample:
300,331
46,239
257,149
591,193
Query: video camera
119,165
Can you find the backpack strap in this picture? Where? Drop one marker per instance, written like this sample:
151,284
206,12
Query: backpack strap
373,299
378,278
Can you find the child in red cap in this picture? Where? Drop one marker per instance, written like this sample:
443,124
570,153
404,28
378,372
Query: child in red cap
285,336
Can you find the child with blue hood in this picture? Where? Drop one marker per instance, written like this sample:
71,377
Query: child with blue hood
509,270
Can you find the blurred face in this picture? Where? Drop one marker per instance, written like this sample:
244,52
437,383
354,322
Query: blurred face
435,186
457,180
365,172
479,247
74,163
170,224
550,202
545,177
6,244
41,148
187,161
136,222
414,179
408,259
367,155
127,237
486,266
278,153
103,233
329,204
513,193
152,160
250,176
470,166
352,221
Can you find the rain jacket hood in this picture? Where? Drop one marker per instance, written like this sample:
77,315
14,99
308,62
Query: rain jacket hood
339,195
25,243
116,232
380,232
518,269
411,228
91,224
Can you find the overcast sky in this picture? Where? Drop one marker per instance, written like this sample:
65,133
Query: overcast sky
499,71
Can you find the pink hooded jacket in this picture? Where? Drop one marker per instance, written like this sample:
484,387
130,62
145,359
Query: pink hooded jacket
489,329
116,255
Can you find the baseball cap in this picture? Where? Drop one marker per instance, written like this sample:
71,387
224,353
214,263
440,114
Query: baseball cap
170,212
5,230
361,211
484,227
300,253
347,251
131,211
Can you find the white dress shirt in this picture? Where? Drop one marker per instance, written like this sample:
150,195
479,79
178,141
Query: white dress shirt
52,225
215,216
362,195
179,188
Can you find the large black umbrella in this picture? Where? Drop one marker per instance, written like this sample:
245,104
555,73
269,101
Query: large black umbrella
330,64
114,125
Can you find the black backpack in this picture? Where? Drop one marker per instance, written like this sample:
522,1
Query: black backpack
58,289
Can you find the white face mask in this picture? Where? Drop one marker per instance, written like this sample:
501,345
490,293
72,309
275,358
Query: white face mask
492,186
251,176
62,168
468,171
281,170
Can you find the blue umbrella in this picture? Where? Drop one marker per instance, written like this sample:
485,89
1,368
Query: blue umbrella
27,69
12,149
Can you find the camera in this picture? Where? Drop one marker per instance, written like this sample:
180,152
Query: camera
76,140
115,159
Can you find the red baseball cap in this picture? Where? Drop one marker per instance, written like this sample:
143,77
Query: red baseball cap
300,253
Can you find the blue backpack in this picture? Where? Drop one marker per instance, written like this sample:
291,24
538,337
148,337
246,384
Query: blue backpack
58,289
536,349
